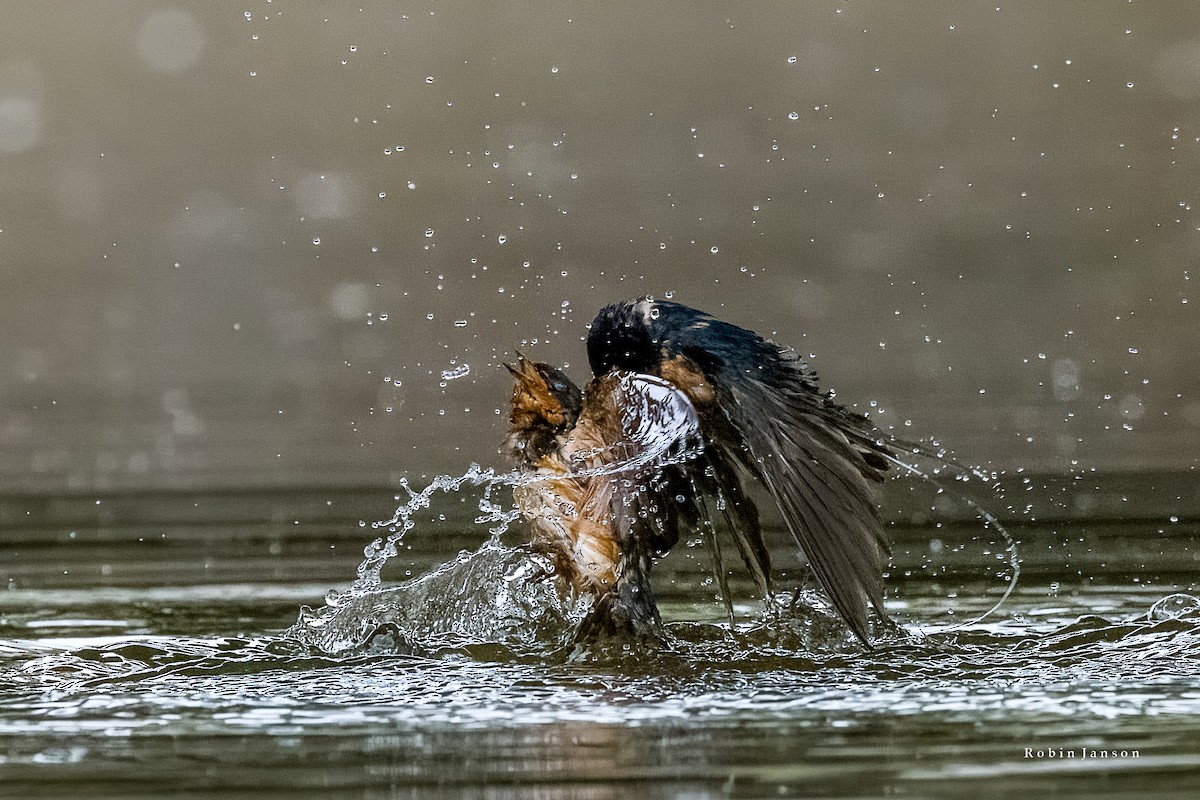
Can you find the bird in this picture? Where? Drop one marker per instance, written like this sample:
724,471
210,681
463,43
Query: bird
738,411
599,468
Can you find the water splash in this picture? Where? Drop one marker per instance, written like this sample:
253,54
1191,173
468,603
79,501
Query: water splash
499,593
378,552
662,431
495,595
805,637
943,463
496,591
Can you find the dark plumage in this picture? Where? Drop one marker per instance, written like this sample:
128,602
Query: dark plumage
762,413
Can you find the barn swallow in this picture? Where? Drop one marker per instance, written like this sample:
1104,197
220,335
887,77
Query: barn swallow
751,410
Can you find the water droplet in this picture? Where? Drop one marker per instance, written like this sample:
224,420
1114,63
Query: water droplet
316,240
502,238
794,115
454,373
429,79
713,249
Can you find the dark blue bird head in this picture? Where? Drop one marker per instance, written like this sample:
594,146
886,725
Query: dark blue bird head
641,335
620,338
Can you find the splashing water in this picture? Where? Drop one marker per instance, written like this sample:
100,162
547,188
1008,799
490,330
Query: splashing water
499,517
377,553
497,591
662,431
508,595
943,464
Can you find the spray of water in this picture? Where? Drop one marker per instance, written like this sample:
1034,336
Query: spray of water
960,472
661,432
657,440
377,553
497,593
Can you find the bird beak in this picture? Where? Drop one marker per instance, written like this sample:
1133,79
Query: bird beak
524,370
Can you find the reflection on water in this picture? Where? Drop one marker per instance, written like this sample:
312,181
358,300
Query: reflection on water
412,689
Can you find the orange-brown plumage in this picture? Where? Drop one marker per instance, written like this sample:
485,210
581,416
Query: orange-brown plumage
591,483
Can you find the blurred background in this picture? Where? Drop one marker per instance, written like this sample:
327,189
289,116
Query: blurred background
290,244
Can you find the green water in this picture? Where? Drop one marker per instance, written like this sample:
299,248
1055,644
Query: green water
142,654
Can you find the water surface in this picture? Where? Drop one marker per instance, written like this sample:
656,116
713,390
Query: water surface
143,650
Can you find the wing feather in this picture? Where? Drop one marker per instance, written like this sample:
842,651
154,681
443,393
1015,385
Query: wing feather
764,410
805,457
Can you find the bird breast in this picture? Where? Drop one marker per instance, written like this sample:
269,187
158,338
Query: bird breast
577,500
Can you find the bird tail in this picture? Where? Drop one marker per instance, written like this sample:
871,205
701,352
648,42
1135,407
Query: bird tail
626,612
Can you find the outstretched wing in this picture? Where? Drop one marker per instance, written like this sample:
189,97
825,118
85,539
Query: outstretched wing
761,407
